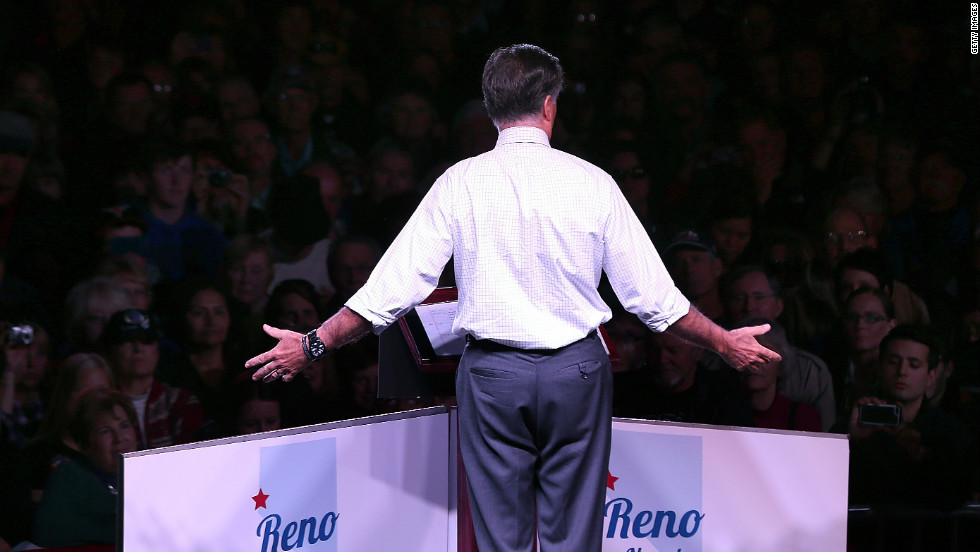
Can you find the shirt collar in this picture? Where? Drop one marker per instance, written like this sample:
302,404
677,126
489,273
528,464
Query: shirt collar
523,135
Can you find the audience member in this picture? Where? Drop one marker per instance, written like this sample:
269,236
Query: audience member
869,268
166,415
674,387
26,349
79,374
773,410
695,267
79,504
803,376
921,457
867,318
88,308
349,264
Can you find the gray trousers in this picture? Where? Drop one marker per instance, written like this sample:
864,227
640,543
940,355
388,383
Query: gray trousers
535,430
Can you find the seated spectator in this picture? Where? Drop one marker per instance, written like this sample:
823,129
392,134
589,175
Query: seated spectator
208,359
935,231
220,195
78,374
867,318
811,312
923,459
357,366
166,415
803,376
133,275
674,387
79,507
89,306
349,264
293,302
389,195
26,349
635,178
869,268
246,272
843,232
772,409
695,267
179,241
333,194
237,99
730,221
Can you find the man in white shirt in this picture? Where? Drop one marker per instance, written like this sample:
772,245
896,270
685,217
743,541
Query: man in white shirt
530,230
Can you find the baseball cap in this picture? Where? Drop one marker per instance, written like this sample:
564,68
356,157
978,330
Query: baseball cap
691,239
16,133
129,324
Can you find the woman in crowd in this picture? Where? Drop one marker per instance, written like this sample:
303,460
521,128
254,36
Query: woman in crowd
78,374
79,504
867,318
293,302
207,361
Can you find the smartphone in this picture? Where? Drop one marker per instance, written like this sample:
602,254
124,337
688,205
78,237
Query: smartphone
889,415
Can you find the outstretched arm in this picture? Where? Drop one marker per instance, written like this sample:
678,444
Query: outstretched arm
737,347
287,358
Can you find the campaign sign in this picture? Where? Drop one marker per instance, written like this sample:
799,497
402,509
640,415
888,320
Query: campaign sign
297,512
653,493
378,483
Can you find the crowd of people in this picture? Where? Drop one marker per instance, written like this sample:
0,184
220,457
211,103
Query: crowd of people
175,174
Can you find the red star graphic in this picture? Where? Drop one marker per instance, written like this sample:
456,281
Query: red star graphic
260,500
611,481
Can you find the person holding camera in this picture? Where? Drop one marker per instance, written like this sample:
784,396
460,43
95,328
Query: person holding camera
26,348
903,450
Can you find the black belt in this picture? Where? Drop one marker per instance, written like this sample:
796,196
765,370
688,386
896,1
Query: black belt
493,346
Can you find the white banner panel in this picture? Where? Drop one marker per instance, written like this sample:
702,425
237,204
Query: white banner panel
693,488
373,484
388,483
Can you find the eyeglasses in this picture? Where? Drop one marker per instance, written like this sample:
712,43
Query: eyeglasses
755,297
868,318
634,172
134,317
858,236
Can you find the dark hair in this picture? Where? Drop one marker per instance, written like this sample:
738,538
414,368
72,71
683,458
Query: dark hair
886,301
516,81
362,239
920,334
871,261
303,288
93,403
739,272
160,150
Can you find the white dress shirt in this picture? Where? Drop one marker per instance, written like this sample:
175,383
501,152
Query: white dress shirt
530,229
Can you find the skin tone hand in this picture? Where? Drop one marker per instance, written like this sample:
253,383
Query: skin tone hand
287,358
738,347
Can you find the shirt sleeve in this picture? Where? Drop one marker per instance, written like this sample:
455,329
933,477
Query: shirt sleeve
410,268
635,270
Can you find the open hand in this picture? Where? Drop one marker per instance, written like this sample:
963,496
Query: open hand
285,360
744,352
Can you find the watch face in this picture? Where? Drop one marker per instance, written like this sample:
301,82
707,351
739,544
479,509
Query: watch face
317,348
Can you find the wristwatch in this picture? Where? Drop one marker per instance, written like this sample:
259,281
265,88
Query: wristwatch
313,346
